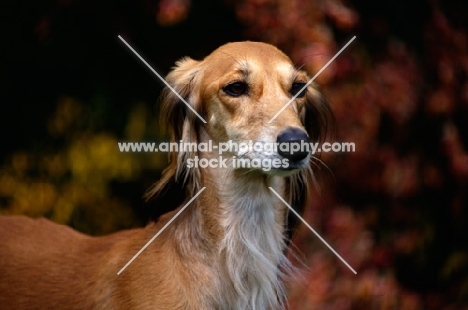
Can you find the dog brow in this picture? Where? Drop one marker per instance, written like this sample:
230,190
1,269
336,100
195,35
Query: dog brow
243,68
242,65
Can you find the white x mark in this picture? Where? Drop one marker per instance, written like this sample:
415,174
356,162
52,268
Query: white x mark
159,232
313,230
163,80
311,80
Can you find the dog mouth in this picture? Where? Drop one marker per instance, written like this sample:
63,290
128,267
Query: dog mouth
290,167
297,165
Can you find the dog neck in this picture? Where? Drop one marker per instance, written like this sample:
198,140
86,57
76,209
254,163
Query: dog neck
253,244
244,222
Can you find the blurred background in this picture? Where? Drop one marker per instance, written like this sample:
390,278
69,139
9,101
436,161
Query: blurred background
396,209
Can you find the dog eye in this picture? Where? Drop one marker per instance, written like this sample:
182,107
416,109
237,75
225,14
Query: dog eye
296,87
236,89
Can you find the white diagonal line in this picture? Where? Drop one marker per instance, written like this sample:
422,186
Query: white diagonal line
311,80
162,79
159,232
307,224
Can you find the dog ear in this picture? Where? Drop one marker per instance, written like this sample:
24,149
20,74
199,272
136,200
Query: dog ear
184,79
317,116
318,120
183,127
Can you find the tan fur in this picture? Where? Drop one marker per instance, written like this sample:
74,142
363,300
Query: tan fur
226,250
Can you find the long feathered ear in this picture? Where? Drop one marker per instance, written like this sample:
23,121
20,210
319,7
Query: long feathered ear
183,126
317,118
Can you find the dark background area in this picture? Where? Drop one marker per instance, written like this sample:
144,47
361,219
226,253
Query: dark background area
396,208
71,47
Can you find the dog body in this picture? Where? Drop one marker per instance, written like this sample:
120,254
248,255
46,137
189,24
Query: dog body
226,250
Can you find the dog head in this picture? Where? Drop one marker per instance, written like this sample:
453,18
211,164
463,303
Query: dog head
239,90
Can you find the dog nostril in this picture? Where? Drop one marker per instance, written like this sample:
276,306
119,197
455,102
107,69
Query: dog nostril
293,144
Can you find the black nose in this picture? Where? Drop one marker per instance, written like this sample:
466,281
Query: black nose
293,144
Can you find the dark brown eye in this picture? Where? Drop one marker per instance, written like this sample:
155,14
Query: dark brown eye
296,88
236,89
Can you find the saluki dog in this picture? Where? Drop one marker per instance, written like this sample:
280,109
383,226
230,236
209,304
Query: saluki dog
227,249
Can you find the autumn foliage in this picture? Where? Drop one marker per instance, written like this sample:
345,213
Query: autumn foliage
396,209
